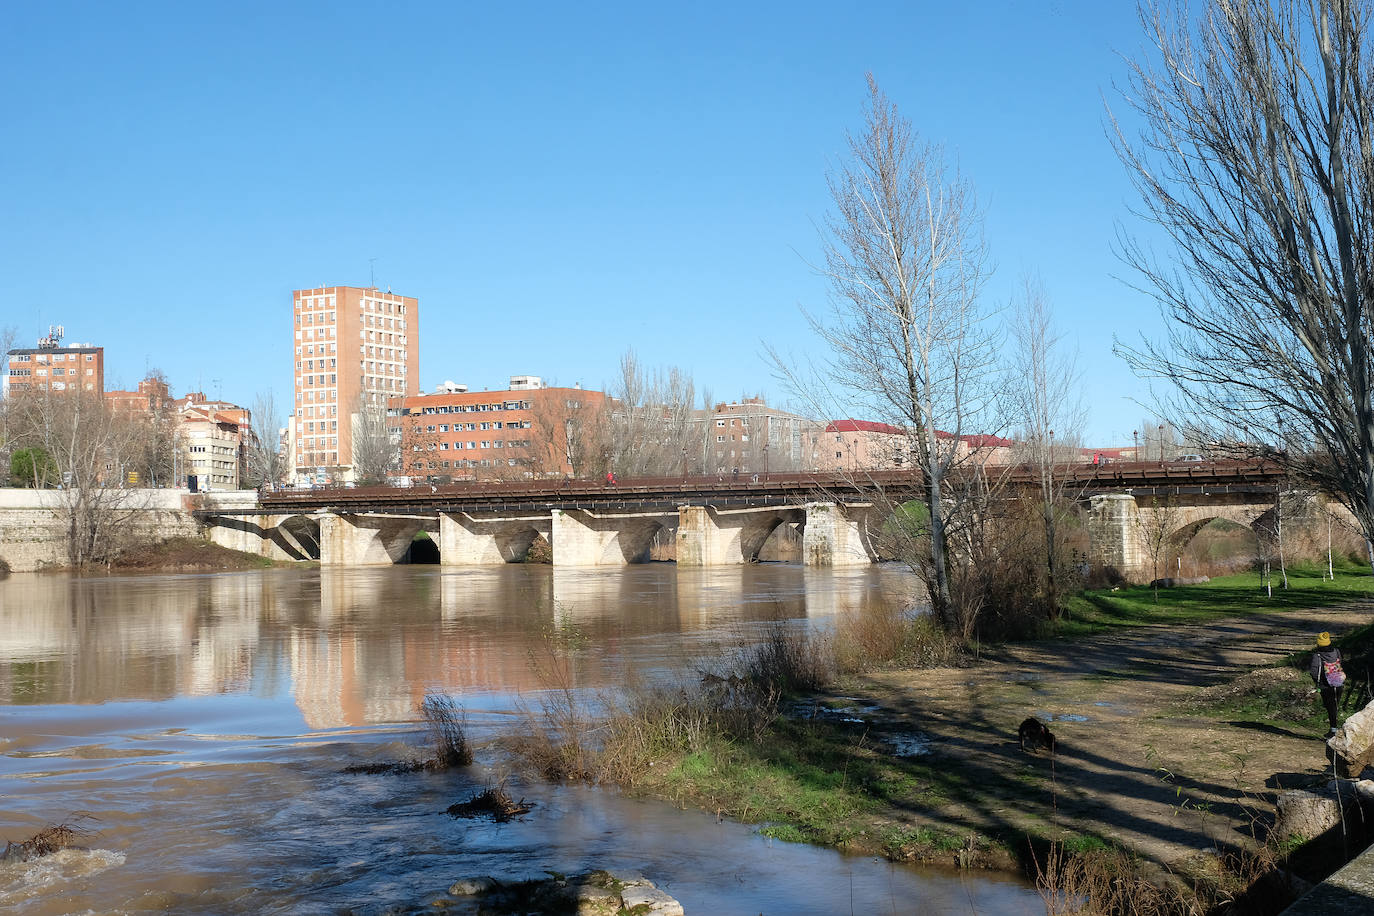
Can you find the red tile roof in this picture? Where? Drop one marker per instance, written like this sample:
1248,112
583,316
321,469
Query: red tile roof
863,426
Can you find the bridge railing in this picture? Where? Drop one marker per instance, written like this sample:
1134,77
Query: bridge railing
1123,476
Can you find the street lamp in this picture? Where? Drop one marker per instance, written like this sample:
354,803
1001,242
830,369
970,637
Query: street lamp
1161,443
1135,448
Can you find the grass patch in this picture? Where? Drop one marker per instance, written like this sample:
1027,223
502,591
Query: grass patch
784,832
1096,610
812,781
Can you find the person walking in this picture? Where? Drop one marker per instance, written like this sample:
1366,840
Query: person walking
1329,676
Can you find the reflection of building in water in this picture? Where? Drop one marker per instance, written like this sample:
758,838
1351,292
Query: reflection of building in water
363,646
77,640
226,635
382,640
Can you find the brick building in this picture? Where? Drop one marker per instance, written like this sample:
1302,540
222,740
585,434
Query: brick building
522,431
53,367
749,437
152,396
355,349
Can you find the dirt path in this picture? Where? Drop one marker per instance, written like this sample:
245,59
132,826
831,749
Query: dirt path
1132,770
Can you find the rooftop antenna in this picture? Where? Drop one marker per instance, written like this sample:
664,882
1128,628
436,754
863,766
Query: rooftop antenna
372,266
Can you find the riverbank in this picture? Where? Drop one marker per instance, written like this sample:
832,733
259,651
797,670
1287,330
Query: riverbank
1156,758
180,555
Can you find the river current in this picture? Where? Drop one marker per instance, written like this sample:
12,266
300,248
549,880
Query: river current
199,725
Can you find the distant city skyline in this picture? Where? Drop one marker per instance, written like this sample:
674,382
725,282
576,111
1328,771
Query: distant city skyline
556,187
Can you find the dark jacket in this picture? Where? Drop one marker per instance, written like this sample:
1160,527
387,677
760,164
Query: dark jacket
1329,654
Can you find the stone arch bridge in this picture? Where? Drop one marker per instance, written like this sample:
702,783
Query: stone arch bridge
712,521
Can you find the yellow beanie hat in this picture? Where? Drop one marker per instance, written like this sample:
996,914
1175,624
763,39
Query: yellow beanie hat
1323,639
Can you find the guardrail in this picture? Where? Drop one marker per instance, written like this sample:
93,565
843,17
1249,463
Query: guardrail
741,490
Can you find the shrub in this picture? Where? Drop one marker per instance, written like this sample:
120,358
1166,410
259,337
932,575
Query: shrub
447,725
789,659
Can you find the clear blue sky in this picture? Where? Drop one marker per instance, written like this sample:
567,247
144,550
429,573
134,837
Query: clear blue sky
554,182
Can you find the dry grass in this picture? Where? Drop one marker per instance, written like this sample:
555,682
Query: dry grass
1106,881
446,726
615,737
790,660
446,722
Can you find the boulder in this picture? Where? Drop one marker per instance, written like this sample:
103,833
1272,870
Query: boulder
472,887
1309,813
596,901
650,896
1352,747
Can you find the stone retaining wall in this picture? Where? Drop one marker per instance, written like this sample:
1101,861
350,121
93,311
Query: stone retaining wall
33,528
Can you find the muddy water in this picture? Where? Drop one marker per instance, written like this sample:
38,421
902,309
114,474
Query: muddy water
202,723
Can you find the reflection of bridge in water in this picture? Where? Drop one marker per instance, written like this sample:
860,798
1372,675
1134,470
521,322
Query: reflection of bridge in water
714,521
363,646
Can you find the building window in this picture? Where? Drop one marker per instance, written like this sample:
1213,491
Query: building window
720,423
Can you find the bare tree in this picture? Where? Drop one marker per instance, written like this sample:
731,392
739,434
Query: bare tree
8,334
569,434
1047,406
652,421
266,460
907,334
375,449
1255,157
1156,525
90,446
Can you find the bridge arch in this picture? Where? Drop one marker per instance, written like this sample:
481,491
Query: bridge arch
370,540
298,537
514,542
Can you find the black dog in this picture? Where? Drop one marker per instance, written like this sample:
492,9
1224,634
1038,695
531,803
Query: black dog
1034,734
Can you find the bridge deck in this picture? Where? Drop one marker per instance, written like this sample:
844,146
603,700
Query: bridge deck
759,490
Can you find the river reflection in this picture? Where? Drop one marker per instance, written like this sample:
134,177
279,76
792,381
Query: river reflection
361,647
201,717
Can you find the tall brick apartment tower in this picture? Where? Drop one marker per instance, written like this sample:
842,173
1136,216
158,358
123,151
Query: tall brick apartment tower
353,348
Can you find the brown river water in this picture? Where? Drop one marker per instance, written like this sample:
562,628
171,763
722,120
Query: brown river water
203,721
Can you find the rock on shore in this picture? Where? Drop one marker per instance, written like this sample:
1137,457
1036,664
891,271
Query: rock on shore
599,893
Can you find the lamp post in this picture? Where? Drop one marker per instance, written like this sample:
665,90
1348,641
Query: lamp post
1161,443
1135,447
765,459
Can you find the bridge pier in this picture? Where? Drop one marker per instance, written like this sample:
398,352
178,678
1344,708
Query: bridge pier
725,537
1114,534
368,540
836,535
583,538
276,537
470,540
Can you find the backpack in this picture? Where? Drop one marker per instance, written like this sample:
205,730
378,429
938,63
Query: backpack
1333,673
